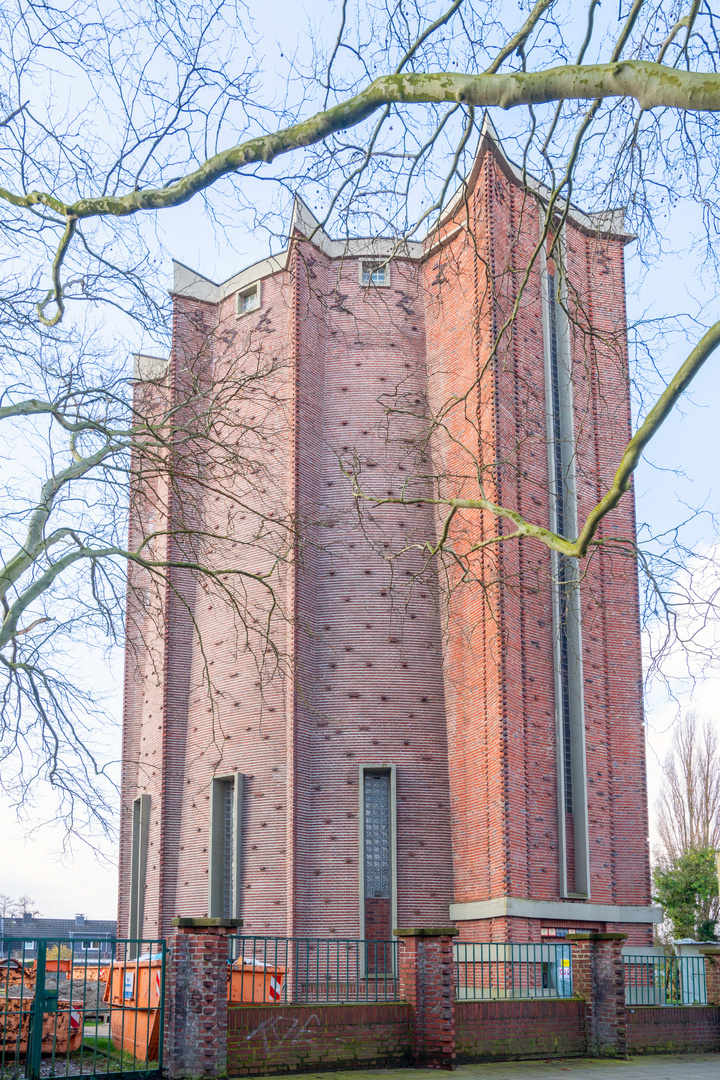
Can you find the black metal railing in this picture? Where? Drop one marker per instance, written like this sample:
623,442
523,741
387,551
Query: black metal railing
66,1013
500,970
275,970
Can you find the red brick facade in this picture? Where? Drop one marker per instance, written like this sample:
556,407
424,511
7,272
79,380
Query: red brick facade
447,677
712,976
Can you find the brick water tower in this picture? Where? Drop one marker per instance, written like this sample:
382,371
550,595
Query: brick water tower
452,738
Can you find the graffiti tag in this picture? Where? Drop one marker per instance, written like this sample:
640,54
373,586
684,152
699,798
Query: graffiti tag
279,1030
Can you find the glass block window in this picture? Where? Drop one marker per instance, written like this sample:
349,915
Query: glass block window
228,848
225,850
376,809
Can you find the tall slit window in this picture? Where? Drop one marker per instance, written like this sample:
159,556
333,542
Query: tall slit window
377,865
573,843
225,846
377,835
228,847
138,863
560,516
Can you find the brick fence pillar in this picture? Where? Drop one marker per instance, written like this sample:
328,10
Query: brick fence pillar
426,973
599,978
196,997
712,973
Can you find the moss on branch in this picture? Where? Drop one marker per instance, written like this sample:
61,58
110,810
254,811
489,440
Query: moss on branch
651,85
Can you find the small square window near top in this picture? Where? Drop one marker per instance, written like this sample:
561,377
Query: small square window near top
248,300
374,273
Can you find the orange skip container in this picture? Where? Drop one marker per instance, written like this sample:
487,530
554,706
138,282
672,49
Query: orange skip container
133,991
250,982
62,1031
58,965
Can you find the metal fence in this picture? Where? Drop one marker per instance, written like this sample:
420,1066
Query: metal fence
665,980
273,970
66,1014
498,970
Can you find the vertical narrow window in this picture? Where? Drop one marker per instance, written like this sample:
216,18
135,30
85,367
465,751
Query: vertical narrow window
377,836
378,912
569,707
559,507
225,846
228,848
138,864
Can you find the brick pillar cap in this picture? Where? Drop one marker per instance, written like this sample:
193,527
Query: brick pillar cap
427,931
590,936
195,922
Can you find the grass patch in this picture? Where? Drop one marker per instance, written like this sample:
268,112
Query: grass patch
101,1051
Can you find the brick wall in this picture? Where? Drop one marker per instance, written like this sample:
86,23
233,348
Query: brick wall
176,735
368,647
673,1029
712,975
429,1028
303,1038
518,1029
378,919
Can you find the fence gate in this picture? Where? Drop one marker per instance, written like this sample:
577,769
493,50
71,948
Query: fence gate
81,1008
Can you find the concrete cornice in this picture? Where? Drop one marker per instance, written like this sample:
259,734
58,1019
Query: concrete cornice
427,931
149,368
512,906
187,282
191,283
306,224
608,223
194,922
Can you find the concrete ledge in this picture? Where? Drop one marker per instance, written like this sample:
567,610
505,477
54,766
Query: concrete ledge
190,922
149,368
594,936
427,931
508,906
